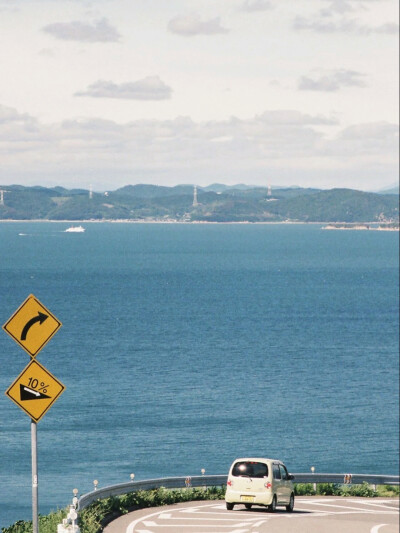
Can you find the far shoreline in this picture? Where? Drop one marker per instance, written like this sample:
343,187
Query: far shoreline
358,226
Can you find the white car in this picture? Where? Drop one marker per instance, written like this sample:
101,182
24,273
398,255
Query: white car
257,481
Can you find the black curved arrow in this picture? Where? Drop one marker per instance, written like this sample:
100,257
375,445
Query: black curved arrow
41,317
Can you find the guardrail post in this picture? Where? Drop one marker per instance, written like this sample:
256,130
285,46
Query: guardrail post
314,484
202,473
69,524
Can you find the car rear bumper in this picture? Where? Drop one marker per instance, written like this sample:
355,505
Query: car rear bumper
253,497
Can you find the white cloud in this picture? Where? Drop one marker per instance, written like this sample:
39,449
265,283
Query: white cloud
11,121
294,118
371,131
150,88
100,31
336,6
343,25
282,141
332,81
190,25
378,140
256,5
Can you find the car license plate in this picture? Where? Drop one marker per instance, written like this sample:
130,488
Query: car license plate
247,498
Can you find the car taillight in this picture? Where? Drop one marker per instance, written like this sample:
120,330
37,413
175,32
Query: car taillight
229,483
267,485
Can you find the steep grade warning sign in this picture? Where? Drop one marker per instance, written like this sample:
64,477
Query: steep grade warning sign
35,390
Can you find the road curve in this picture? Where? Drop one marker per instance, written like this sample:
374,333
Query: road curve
311,515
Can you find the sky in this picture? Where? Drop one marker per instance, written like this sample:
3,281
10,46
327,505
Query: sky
262,92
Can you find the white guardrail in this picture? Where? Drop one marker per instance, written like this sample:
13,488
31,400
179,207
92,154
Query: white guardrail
220,480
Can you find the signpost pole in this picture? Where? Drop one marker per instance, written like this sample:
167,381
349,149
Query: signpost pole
32,326
35,483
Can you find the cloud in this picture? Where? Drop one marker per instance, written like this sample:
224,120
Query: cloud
256,5
9,115
343,25
294,118
390,28
371,131
150,88
336,6
369,140
191,25
333,81
275,142
100,31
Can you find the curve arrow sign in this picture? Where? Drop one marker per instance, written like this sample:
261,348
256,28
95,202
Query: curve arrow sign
41,317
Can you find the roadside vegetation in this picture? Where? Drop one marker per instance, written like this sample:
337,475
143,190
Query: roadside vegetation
94,518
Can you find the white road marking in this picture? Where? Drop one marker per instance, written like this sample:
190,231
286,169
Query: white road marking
375,529
344,507
154,524
322,500
246,521
376,504
214,519
227,513
131,527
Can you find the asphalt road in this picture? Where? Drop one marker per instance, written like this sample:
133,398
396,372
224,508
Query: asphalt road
311,515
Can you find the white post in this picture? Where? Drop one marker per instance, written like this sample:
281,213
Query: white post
202,473
314,484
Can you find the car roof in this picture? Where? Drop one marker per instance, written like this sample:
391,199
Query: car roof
257,459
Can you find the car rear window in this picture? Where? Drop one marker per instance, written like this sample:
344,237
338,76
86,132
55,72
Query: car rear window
250,468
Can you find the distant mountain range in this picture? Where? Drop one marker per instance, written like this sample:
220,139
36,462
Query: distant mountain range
215,203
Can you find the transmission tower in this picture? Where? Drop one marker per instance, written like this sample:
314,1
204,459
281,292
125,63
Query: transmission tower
2,191
195,202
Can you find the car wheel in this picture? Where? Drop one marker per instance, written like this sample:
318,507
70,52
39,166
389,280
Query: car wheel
290,507
247,505
230,506
272,507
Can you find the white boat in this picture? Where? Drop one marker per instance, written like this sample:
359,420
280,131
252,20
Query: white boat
75,229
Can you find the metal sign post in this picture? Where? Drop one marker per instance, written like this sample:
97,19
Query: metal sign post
36,389
35,480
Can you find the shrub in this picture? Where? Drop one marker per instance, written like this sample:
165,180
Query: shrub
329,489
363,490
304,489
47,523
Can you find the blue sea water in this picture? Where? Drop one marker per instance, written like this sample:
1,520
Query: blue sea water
185,346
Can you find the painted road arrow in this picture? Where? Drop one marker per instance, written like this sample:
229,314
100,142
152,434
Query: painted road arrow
41,317
27,393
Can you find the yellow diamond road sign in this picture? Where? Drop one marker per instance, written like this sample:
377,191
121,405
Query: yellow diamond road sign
35,390
32,325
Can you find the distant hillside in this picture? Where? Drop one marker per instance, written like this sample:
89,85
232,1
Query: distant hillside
344,205
390,190
151,202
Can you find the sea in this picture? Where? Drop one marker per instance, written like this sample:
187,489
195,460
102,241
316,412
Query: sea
185,346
